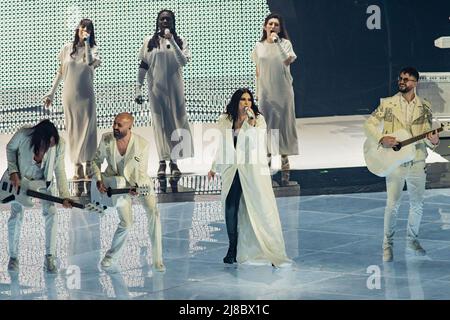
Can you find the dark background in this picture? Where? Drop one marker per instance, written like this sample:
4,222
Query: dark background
343,68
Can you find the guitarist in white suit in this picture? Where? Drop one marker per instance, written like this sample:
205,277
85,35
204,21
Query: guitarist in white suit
406,111
127,156
36,153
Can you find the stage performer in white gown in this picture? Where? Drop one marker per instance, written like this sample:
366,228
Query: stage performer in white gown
251,213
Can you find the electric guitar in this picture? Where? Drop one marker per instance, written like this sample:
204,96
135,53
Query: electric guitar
116,189
29,189
382,161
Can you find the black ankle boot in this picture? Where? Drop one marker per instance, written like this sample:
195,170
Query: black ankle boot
174,170
230,258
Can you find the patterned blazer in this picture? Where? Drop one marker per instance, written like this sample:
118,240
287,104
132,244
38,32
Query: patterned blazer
389,113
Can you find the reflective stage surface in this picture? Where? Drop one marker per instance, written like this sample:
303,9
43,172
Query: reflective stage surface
334,240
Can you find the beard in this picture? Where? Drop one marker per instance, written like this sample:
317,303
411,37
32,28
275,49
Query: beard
404,89
118,134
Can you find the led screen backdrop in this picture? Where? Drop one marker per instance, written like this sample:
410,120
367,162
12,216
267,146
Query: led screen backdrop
221,35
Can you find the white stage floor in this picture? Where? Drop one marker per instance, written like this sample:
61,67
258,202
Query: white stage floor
334,240
325,142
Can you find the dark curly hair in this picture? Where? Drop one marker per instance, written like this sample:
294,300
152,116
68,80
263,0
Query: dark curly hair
154,41
41,135
411,71
232,109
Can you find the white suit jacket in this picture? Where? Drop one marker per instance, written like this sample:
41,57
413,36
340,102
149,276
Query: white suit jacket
135,160
19,153
389,113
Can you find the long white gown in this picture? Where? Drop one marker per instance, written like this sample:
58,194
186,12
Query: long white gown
260,237
276,94
167,100
78,99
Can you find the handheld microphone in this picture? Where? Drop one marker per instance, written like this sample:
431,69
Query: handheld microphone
86,38
166,32
250,114
275,38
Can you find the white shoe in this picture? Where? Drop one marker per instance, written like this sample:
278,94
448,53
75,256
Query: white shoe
13,264
107,262
50,264
388,254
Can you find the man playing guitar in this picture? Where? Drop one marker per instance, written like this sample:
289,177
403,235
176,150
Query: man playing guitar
405,110
127,156
36,153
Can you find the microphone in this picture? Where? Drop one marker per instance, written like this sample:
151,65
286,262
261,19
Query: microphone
275,37
250,114
166,32
86,38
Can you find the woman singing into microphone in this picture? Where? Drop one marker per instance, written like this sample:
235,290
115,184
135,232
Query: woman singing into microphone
78,61
163,55
251,213
273,55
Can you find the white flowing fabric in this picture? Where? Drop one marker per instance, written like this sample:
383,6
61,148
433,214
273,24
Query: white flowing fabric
78,100
166,97
276,94
260,238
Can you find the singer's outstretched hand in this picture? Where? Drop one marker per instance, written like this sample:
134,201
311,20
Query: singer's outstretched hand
47,102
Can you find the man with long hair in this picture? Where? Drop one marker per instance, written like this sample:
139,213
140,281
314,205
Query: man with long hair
36,153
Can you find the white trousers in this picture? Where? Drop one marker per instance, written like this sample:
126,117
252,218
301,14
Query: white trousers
15,223
124,210
413,173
